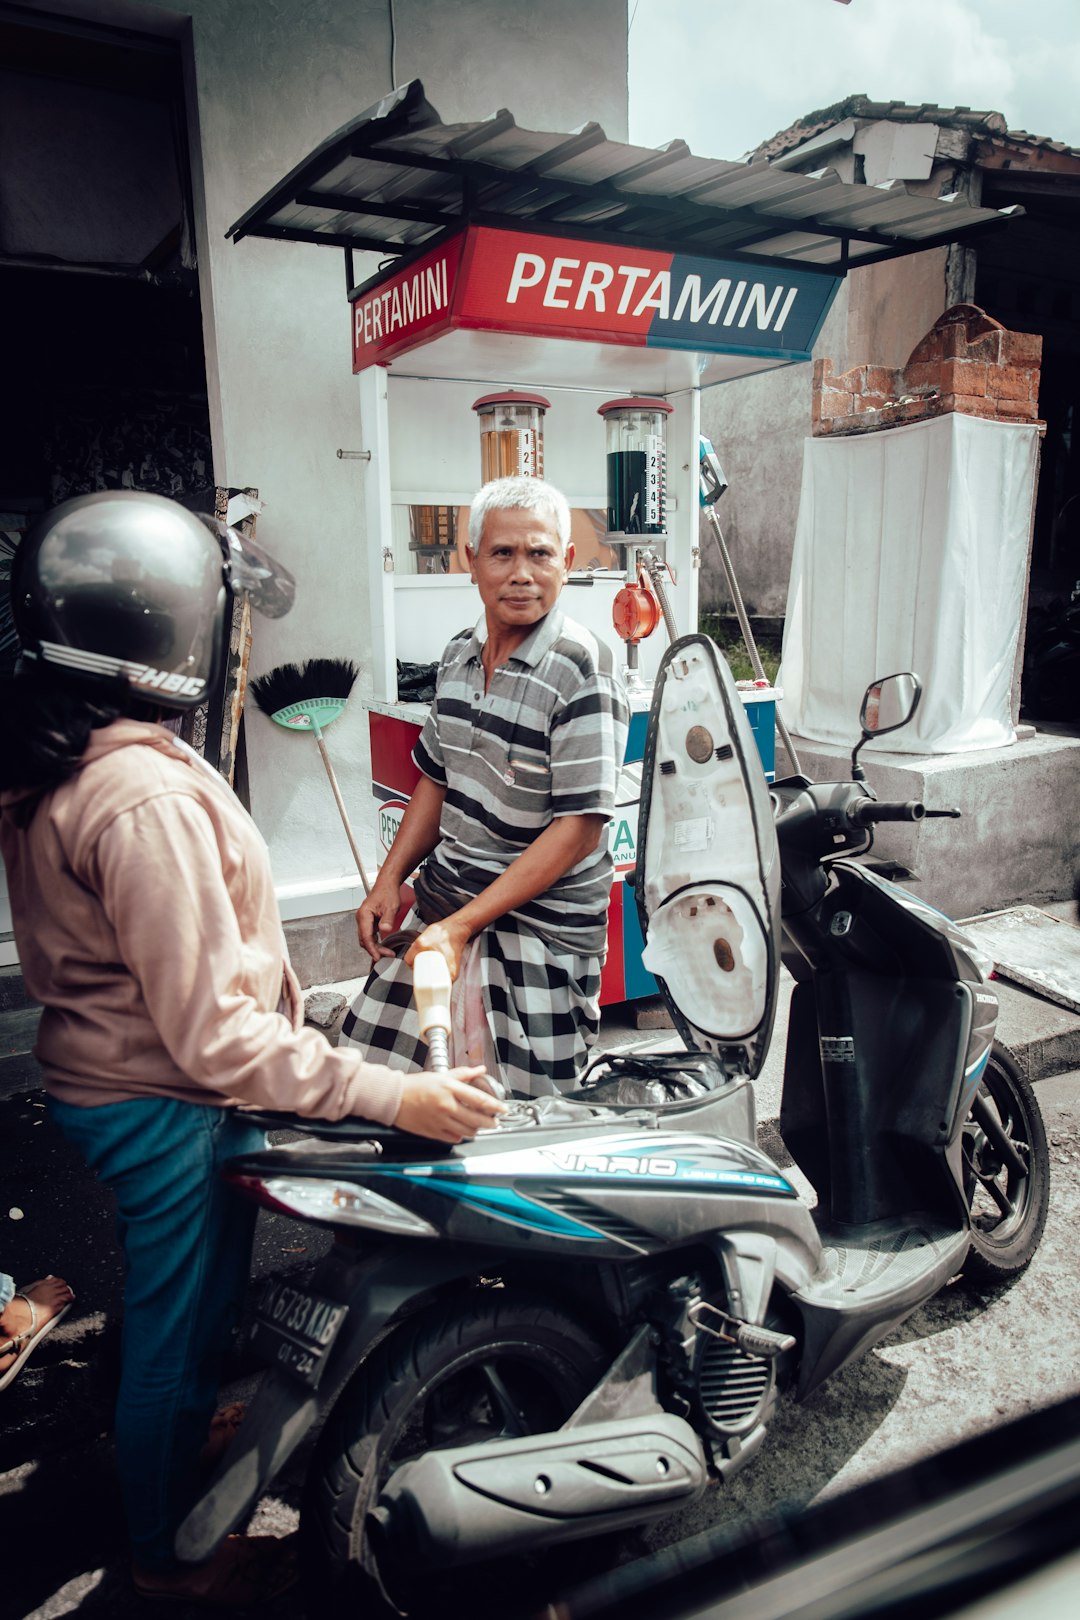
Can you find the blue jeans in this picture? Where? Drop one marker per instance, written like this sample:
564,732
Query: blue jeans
7,1290
186,1238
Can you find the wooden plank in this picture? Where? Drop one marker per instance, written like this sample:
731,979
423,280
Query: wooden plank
1034,950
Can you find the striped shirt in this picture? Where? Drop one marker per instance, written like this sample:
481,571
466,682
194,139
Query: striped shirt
545,740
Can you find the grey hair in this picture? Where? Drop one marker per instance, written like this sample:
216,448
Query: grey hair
531,494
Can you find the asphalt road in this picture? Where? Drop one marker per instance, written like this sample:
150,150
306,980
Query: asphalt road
964,1364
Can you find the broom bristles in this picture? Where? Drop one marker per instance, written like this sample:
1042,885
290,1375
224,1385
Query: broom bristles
299,683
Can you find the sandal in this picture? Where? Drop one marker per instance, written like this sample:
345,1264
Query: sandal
245,1572
24,1344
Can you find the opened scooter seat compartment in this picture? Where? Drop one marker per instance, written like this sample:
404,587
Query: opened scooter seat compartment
650,1079
708,875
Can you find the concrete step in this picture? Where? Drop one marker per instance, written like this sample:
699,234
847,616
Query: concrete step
18,1031
13,990
1044,1036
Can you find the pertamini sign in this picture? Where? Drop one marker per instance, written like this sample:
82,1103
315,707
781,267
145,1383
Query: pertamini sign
509,281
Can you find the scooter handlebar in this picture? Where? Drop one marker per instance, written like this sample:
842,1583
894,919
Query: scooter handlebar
864,812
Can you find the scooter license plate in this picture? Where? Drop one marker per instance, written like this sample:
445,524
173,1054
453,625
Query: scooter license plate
294,1329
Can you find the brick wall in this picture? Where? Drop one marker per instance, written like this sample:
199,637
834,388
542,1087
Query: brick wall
967,362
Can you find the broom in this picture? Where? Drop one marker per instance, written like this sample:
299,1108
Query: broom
307,697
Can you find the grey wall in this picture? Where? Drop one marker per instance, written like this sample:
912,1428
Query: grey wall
267,83
759,424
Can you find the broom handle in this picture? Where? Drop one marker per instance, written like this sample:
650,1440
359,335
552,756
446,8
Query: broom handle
748,634
341,808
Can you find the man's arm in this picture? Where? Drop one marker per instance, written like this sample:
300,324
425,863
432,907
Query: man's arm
561,845
416,837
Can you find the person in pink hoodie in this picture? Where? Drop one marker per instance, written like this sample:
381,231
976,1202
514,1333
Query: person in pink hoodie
147,928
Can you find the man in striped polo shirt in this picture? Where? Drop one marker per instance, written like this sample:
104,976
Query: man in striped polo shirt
519,760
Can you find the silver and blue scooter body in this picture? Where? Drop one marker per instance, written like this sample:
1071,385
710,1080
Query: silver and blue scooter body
644,1195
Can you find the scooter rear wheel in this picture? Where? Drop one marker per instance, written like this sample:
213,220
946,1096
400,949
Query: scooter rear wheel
494,1365
1006,1171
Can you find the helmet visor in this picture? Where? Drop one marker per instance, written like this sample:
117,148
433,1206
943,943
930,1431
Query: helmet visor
249,568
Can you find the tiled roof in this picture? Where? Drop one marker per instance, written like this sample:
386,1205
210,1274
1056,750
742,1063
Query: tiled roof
989,124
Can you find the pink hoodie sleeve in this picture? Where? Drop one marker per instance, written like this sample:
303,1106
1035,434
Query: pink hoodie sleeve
158,872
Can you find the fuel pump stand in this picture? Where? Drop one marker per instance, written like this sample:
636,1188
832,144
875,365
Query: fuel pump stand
521,309
554,304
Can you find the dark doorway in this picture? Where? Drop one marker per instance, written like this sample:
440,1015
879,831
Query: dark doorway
1028,278
104,360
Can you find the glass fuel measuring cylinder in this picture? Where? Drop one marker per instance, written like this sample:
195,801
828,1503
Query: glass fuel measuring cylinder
636,464
511,434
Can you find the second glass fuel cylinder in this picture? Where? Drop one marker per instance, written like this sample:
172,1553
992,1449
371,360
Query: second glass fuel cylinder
636,464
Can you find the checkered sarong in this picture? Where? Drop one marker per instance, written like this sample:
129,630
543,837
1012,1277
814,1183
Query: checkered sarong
542,1008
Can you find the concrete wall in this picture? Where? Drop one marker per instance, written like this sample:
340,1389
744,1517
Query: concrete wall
759,424
890,307
268,83
1018,839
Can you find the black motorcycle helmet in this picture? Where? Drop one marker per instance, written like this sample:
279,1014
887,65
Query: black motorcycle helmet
129,587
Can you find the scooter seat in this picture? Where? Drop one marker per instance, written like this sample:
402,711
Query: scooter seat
616,1085
392,1142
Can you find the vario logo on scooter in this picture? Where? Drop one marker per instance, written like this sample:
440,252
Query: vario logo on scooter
616,1165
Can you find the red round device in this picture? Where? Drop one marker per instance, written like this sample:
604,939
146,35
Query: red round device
635,613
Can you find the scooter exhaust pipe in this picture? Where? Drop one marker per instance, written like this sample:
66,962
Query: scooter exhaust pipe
450,1508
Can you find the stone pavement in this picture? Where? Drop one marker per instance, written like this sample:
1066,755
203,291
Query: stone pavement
54,1420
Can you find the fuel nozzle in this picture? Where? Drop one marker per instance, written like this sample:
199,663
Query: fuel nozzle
711,474
431,993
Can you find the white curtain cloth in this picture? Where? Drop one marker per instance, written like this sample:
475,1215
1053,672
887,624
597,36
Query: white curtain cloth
911,552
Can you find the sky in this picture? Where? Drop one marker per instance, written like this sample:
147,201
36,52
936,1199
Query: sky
724,75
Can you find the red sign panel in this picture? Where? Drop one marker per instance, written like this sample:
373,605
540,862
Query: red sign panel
408,308
553,286
557,286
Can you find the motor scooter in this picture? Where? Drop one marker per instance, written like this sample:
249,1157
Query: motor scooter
571,1324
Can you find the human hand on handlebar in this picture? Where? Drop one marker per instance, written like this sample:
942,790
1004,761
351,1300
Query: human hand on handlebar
447,1107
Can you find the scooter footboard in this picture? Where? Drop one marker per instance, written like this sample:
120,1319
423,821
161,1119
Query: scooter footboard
498,1499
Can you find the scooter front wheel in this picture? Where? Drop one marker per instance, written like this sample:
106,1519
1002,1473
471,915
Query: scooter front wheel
497,1365
1006,1171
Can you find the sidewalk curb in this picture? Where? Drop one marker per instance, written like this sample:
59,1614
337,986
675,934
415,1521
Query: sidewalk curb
1044,1036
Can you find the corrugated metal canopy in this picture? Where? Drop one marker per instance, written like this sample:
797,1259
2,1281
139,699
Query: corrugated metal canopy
396,177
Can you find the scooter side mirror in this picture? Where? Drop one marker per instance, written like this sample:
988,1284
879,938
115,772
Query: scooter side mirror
889,703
